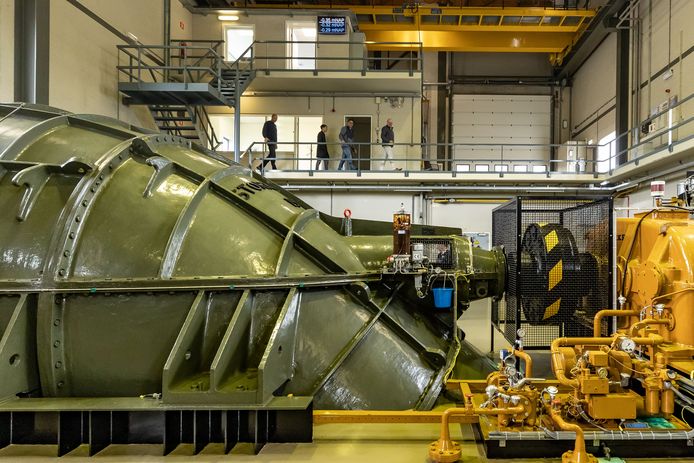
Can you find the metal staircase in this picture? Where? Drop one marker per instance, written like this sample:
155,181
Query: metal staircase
178,81
191,122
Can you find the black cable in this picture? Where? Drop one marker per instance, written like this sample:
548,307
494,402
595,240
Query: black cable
631,249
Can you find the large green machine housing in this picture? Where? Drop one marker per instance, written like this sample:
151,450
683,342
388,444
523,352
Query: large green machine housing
142,274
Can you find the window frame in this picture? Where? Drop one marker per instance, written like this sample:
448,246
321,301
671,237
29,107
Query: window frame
224,37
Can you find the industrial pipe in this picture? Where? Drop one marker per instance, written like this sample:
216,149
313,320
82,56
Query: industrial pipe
597,321
579,453
633,331
444,450
528,361
558,358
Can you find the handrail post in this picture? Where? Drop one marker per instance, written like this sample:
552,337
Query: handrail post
219,73
139,64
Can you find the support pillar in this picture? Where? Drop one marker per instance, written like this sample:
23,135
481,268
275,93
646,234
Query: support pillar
622,100
32,38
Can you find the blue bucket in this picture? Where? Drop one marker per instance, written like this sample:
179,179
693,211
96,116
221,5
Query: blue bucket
443,297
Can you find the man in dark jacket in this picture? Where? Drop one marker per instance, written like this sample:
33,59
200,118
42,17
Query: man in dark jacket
322,148
347,140
270,136
387,140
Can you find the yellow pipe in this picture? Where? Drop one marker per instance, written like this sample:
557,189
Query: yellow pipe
445,450
579,454
633,331
597,321
690,288
383,416
558,358
528,362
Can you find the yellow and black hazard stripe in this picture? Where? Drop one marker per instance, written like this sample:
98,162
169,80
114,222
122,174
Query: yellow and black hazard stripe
550,270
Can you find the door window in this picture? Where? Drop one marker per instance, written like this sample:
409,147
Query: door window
301,49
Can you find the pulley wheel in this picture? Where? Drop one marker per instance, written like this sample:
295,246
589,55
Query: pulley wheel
551,283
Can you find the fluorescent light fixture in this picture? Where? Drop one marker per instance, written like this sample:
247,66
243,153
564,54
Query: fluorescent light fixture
228,17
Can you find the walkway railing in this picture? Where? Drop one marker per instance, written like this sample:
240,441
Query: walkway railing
675,127
334,56
188,61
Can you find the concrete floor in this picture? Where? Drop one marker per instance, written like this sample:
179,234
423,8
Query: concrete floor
401,443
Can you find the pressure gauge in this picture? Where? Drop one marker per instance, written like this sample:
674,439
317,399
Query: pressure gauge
627,345
602,373
521,332
671,374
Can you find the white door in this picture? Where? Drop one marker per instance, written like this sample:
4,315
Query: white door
301,49
308,128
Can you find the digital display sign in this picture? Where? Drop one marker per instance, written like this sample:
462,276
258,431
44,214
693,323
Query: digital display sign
332,25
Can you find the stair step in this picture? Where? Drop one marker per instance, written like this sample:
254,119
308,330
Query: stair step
166,109
179,127
171,118
177,107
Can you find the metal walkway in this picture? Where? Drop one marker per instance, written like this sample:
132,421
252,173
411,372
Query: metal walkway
177,81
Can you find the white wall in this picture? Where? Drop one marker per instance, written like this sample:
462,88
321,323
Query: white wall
181,22
369,206
594,90
6,50
273,28
83,55
406,119
665,33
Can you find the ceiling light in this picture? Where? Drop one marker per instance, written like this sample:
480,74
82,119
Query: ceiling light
228,17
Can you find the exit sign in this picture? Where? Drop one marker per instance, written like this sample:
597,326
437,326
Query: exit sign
332,25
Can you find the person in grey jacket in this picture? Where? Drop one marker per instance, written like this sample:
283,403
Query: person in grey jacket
387,140
347,139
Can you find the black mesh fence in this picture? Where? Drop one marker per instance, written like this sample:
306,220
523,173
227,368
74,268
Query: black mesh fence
559,253
438,250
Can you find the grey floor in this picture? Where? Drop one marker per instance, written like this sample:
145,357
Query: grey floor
402,443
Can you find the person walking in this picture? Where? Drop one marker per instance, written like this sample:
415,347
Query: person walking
322,148
270,136
347,139
387,140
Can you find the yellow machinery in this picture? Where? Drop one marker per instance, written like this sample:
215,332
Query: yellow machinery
609,385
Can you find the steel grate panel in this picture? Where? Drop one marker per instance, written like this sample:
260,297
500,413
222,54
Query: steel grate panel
559,253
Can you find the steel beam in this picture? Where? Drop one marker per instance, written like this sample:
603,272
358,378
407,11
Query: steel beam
470,41
622,95
32,37
573,58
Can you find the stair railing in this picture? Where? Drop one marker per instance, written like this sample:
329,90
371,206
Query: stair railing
205,128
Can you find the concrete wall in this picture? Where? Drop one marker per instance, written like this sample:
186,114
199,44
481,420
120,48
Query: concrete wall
593,94
666,33
181,22
500,64
6,50
274,28
83,55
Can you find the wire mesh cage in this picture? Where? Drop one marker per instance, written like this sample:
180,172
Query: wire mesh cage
438,250
559,253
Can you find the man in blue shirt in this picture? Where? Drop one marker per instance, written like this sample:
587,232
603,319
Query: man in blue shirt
270,136
346,139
